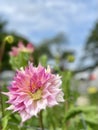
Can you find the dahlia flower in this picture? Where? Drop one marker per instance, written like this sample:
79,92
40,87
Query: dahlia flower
21,48
33,89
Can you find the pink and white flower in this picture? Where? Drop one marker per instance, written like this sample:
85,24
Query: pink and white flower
21,48
33,89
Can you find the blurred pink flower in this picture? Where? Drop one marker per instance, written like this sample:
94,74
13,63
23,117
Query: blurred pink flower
33,89
21,48
92,77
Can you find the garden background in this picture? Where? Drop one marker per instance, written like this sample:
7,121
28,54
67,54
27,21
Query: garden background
64,35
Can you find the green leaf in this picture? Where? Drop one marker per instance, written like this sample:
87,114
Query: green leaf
43,60
77,110
92,121
5,121
19,61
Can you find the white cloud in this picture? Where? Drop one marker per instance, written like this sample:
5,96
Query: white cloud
43,16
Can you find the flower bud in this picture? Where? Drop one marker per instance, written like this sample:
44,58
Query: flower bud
9,39
71,58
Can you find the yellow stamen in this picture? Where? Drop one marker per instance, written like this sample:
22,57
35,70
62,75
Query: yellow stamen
37,95
25,50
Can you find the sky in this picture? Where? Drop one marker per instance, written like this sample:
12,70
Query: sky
40,19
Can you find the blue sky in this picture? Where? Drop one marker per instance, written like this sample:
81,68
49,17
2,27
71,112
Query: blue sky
39,19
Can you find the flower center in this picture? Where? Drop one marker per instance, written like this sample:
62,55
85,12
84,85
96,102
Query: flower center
37,95
25,50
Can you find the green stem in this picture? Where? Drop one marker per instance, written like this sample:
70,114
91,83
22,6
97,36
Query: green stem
2,108
1,97
2,52
83,122
1,102
66,108
41,120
